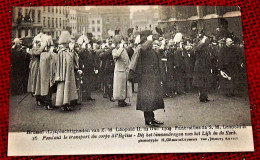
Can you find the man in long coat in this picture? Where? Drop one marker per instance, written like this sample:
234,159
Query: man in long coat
148,69
170,71
107,71
45,79
35,53
180,69
188,68
67,95
122,88
87,66
229,63
18,68
202,76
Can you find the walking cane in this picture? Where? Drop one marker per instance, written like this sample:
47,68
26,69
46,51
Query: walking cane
24,98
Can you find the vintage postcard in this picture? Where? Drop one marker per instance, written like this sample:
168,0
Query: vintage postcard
128,79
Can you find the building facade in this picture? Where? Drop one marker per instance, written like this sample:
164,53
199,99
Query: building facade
145,19
55,20
29,21
180,18
95,25
82,20
26,21
109,18
73,22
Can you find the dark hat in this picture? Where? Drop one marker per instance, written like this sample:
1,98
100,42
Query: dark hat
130,31
130,40
158,30
145,33
194,25
117,32
89,35
223,22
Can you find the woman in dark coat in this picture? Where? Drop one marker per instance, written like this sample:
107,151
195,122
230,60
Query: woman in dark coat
202,76
150,93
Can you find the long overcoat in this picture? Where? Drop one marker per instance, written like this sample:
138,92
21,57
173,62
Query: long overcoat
65,77
45,78
202,76
122,88
230,59
34,68
150,74
19,70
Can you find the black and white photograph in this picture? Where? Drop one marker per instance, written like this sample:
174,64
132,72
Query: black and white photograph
127,67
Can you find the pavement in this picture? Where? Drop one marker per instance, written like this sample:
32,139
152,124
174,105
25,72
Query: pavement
183,110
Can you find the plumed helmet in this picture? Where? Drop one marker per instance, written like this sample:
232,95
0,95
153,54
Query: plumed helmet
17,41
65,37
82,39
177,38
137,39
37,38
47,39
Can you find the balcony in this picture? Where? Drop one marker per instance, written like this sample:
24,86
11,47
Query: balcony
21,23
48,30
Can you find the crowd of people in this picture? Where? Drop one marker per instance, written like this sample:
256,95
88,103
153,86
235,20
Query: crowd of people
162,66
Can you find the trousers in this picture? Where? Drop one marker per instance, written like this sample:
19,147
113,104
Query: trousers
148,116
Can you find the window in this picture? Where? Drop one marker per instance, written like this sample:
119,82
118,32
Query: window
208,10
39,16
98,21
44,9
26,12
48,23
52,22
60,23
52,9
33,31
49,9
19,33
93,22
93,29
44,23
98,29
33,15
56,21
26,32
57,10
20,10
